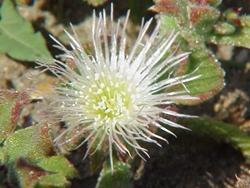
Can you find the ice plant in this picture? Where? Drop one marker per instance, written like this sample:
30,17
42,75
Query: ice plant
116,95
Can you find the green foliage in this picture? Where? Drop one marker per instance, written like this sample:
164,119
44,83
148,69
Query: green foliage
120,177
201,18
31,160
58,164
10,106
6,126
241,36
32,143
26,174
223,28
54,180
60,170
211,75
45,174
194,21
221,132
17,37
29,153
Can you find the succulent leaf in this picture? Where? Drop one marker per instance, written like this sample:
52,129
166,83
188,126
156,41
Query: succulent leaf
120,177
11,103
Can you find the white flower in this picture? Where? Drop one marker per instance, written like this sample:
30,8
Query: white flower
115,95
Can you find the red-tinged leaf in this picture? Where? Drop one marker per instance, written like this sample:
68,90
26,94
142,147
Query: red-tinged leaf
28,174
20,101
11,103
166,6
32,143
49,172
200,14
211,79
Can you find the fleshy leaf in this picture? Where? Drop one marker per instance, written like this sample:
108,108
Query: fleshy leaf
119,178
211,79
53,180
240,38
17,37
201,62
171,7
224,28
11,103
6,125
32,143
95,2
221,132
59,165
29,158
27,174
203,18
194,27
50,172
60,170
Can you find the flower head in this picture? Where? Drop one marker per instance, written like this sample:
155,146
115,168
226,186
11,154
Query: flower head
116,95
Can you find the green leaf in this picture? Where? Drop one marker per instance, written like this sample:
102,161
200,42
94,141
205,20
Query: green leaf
176,8
168,22
17,37
224,28
95,2
58,165
211,79
202,18
201,62
30,176
240,38
119,178
6,126
32,143
220,132
59,169
11,103
27,174
29,158
54,180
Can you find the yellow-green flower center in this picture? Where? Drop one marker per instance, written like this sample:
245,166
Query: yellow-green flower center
108,99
